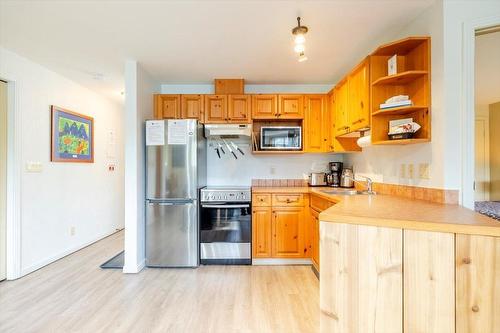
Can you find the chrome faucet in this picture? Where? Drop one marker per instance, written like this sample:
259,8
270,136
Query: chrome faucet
369,184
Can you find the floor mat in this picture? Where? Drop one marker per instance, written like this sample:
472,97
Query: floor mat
489,208
115,262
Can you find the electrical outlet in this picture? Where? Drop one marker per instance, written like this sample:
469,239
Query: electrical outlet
402,171
411,171
272,170
72,231
423,171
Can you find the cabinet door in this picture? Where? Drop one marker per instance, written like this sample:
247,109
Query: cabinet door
315,139
291,107
288,232
361,279
167,106
359,93
192,106
478,283
429,282
264,106
341,106
331,123
239,108
261,232
315,238
215,109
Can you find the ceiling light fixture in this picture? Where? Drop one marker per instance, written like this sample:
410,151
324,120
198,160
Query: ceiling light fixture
302,57
299,39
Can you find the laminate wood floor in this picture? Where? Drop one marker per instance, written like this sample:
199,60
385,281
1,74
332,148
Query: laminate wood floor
75,295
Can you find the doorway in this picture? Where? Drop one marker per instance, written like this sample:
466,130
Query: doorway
3,180
487,122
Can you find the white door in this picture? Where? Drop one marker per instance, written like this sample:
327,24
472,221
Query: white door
481,192
3,177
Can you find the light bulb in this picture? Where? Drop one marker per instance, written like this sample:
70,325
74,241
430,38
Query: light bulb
299,48
300,39
302,57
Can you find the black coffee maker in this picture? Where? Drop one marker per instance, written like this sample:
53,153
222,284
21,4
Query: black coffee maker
335,171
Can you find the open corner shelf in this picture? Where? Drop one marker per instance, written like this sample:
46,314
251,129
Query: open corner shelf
399,110
400,78
413,62
402,46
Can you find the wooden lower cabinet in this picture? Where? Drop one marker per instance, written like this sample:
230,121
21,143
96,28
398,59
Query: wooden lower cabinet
361,278
314,227
450,282
280,225
477,283
261,232
288,228
429,295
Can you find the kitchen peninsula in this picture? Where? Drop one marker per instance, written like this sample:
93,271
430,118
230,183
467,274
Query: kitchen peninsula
389,264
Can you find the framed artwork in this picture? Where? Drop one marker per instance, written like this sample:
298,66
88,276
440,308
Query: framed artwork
72,136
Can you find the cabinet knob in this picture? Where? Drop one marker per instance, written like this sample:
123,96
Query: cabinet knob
475,308
466,261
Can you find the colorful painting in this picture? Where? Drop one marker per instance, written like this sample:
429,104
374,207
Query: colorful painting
72,136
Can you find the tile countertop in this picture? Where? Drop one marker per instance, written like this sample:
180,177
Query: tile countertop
397,212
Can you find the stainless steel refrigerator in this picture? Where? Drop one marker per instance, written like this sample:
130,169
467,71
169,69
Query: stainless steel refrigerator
175,171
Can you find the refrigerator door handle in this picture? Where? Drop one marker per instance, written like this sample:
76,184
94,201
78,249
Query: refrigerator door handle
170,203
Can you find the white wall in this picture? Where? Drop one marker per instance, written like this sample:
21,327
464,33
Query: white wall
139,90
85,196
228,171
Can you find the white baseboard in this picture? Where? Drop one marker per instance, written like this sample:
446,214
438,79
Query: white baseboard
60,255
281,261
131,269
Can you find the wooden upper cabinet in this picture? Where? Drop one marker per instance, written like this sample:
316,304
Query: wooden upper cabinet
192,106
288,233
167,106
239,108
215,109
316,123
359,96
341,108
291,107
261,232
264,106
229,86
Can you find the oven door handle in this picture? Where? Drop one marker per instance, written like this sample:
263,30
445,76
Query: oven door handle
225,206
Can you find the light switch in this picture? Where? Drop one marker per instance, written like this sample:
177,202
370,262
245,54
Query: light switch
402,171
423,171
411,171
34,166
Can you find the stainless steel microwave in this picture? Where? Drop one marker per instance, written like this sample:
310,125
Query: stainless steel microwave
281,138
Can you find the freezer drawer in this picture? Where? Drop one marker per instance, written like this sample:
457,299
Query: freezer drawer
172,234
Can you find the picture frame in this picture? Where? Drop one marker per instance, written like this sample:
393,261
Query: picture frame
72,136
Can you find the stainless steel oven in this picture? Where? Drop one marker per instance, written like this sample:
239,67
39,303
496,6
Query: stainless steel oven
281,138
225,226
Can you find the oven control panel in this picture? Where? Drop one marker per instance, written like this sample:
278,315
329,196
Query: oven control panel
230,195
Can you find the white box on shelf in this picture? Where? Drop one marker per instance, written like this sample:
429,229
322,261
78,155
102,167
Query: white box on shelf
392,65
